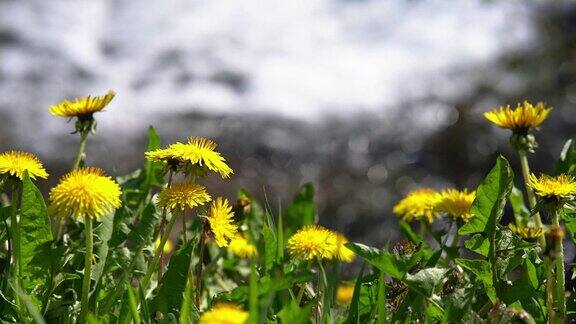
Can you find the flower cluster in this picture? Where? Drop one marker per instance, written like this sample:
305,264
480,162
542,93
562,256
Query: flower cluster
427,205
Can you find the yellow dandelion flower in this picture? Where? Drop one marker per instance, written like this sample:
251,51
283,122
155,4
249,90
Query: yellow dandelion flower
520,119
526,233
168,247
418,205
313,242
220,220
81,107
224,313
456,203
344,294
182,195
560,187
344,253
85,192
240,247
14,163
197,151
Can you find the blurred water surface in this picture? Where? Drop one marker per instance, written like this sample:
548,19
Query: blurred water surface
364,98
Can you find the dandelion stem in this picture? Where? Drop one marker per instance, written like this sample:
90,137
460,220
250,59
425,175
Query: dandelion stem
15,232
549,289
81,148
87,269
184,228
201,263
530,193
156,258
423,229
162,227
560,279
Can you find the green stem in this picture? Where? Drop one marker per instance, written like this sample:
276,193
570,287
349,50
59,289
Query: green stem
87,269
15,232
423,229
549,289
201,263
154,263
322,291
530,193
560,279
81,149
162,227
302,286
493,263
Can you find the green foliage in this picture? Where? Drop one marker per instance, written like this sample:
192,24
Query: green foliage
475,271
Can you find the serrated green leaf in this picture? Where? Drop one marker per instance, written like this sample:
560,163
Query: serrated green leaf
103,233
35,232
483,272
479,244
490,199
424,281
143,233
171,293
302,211
293,314
270,247
383,260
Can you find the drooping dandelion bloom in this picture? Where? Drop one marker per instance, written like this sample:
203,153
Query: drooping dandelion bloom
14,163
168,247
527,233
82,107
456,203
313,242
221,222
521,118
224,313
344,294
344,253
560,187
183,195
85,192
419,204
242,248
198,151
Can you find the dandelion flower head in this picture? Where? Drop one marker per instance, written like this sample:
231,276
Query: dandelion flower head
419,204
183,195
14,163
520,119
456,203
242,248
313,242
562,186
82,107
224,313
85,192
221,222
198,151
